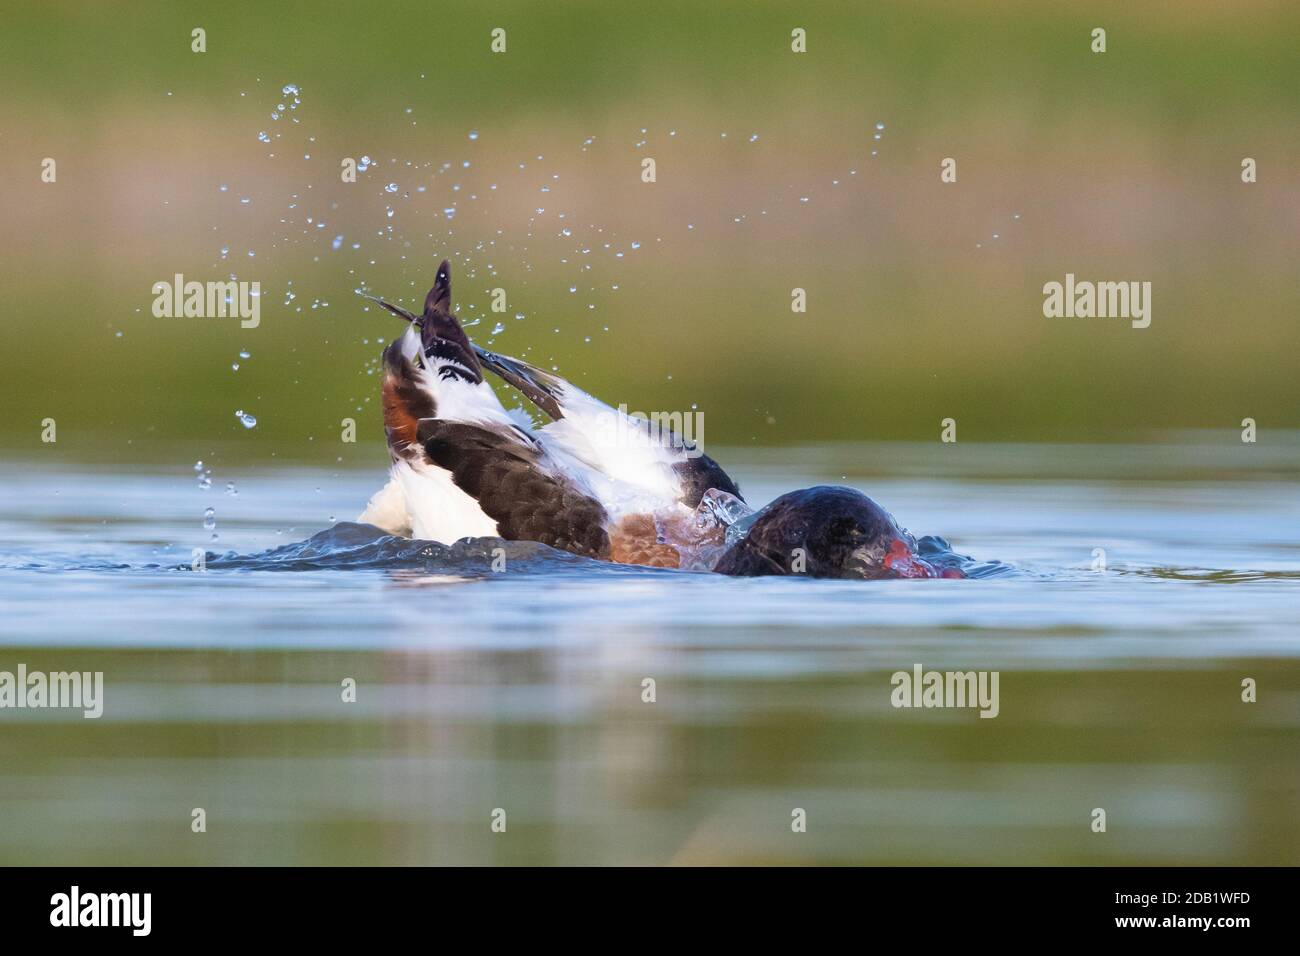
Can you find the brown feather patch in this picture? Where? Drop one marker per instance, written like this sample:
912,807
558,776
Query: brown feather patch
635,540
405,403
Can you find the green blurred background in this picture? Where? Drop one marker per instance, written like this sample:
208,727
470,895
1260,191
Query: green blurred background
1123,165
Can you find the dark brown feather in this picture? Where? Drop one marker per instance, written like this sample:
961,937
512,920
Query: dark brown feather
698,475
501,469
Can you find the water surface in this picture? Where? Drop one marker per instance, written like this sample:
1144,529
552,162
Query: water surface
522,690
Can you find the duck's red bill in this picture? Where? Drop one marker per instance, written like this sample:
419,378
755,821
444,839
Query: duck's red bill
904,563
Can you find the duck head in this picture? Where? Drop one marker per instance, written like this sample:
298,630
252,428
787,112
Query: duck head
828,532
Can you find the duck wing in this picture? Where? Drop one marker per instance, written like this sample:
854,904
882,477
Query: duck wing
626,449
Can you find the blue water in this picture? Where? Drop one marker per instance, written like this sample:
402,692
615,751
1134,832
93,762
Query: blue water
1212,563
1120,687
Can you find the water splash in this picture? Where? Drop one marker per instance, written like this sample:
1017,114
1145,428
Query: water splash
359,547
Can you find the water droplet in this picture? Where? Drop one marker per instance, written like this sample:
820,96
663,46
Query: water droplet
209,519
391,188
231,490
880,126
473,134
262,137
248,421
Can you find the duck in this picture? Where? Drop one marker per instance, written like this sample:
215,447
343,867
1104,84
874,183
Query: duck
594,480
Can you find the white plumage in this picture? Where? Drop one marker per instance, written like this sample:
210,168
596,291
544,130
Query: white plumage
609,454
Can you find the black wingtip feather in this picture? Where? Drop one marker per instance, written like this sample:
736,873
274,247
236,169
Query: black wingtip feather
530,381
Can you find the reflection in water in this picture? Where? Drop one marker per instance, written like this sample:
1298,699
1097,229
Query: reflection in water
588,772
